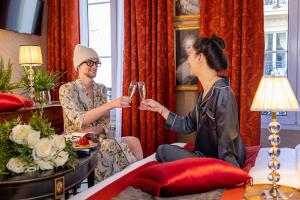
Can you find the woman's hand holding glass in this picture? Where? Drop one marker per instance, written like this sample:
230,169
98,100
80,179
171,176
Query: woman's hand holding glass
152,105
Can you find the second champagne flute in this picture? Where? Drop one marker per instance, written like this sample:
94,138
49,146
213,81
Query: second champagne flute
142,90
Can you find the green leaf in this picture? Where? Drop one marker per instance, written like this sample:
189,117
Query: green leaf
42,79
5,77
40,123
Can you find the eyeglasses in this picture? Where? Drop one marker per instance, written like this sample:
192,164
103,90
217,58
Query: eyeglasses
90,63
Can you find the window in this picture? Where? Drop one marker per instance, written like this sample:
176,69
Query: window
101,27
97,22
281,21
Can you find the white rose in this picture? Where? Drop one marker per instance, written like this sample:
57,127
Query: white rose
43,149
33,138
59,142
44,165
16,165
19,134
61,158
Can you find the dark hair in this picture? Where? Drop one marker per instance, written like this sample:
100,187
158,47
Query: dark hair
212,48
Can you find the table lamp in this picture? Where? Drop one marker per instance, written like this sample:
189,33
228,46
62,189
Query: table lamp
274,94
30,56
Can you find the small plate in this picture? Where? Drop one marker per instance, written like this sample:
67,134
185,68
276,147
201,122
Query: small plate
92,145
78,134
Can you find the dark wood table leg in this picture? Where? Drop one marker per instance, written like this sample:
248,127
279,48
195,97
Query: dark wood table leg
67,194
91,179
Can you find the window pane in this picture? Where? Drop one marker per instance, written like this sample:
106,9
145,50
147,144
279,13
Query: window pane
280,58
268,57
99,28
268,64
281,42
104,72
269,42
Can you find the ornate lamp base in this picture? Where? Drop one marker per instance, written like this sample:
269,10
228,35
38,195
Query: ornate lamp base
274,193
274,164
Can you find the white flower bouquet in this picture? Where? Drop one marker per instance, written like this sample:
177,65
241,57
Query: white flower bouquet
34,146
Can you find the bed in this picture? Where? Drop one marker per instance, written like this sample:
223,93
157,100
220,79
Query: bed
118,183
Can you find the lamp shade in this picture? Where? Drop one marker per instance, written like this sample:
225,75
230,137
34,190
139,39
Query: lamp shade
30,55
274,94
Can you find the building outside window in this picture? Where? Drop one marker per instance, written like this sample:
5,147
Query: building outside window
275,63
275,2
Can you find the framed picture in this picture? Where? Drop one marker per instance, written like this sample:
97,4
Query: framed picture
185,36
186,10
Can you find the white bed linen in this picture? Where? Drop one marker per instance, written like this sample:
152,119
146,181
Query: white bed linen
289,174
92,190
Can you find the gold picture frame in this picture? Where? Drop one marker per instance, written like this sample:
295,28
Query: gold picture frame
187,18
59,187
186,10
187,88
184,37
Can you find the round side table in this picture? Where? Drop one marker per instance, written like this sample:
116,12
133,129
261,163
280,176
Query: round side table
255,192
43,184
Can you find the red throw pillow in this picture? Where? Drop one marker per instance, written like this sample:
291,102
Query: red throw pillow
188,176
12,102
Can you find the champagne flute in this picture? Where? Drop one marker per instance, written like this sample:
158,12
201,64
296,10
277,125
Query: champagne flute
142,90
132,87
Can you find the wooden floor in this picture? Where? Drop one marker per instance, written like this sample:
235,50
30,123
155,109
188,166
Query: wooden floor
288,138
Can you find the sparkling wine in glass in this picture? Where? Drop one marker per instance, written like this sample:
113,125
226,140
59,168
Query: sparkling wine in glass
132,87
142,90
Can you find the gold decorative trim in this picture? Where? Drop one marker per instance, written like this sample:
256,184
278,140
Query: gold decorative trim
186,88
186,27
59,187
182,18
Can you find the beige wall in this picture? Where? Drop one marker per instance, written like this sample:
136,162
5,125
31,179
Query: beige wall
185,102
10,42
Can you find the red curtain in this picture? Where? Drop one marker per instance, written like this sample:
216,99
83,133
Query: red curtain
241,24
149,57
63,35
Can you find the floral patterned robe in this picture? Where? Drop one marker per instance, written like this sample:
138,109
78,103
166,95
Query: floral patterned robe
114,155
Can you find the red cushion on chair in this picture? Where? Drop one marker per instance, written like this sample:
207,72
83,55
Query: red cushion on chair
188,176
12,102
